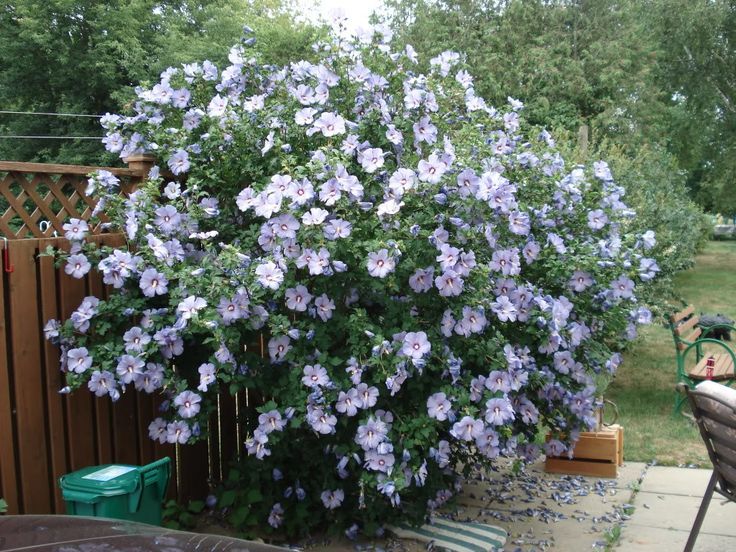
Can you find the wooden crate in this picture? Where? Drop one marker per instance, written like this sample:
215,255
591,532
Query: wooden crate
596,454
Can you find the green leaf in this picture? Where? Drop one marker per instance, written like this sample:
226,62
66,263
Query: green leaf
239,516
196,506
227,498
253,496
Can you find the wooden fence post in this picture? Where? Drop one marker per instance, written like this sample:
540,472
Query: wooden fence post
142,163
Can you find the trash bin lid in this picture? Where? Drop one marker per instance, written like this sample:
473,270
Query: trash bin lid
106,480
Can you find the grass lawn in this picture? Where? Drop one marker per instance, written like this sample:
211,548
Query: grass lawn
644,386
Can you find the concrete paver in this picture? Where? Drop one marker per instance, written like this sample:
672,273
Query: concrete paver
669,511
653,539
666,507
662,479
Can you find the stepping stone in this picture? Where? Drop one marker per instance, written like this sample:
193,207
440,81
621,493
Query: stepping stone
455,536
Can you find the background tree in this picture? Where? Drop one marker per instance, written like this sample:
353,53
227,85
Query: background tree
86,56
697,70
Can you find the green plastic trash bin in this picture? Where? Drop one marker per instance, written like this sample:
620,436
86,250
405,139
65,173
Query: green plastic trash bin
118,491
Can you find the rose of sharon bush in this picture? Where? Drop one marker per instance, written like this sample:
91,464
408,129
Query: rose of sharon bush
431,282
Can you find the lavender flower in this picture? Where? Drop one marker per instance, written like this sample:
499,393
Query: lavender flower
416,345
315,376
78,360
332,499
188,403
438,406
101,383
298,298
77,265
178,432
380,263
179,162
153,283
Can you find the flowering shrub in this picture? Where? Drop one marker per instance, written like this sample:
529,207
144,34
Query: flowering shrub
432,283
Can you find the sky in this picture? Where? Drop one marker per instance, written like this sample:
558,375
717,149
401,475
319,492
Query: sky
357,11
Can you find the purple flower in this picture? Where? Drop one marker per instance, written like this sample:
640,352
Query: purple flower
499,411
256,445
371,159
380,263
188,403
136,340
129,368
371,434
217,106
179,162
467,429
531,251
329,124
421,280
597,219
432,169
416,345
348,403
271,421
379,462
368,395
322,422
553,447
76,229
528,412
77,265
473,321
314,217
505,261
101,383
519,223
448,256
332,499
278,347
206,376
78,360
298,298
190,306
425,131
178,432
580,281
157,430
504,309
449,283
276,517
153,283
648,269
324,307
438,406
623,287
315,376
167,219
498,381
564,362
269,275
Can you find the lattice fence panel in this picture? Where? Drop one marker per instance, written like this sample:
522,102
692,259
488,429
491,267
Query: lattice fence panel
37,205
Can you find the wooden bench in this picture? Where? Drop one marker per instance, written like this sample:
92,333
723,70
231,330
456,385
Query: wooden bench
691,339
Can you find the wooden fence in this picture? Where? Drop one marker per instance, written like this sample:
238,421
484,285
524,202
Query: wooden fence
45,434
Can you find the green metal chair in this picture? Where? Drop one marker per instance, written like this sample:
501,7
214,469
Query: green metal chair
690,340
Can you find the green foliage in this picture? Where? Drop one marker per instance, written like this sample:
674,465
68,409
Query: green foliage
570,62
656,189
177,516
86,56
658,74
3,506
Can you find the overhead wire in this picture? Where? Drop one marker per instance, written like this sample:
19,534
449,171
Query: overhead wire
22,137
48,114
